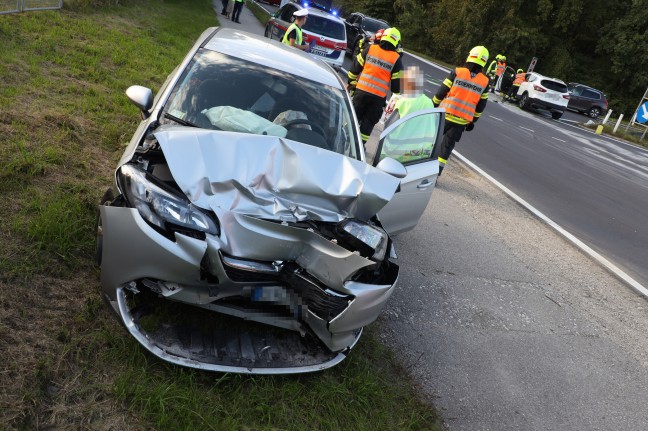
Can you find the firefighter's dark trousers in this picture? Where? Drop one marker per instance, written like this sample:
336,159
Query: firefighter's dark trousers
451,135
368,108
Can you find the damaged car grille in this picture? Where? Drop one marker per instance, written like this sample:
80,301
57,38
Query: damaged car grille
305,289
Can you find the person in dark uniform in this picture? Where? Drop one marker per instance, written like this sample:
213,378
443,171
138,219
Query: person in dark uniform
236,12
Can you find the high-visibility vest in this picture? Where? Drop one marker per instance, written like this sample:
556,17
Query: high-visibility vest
519,79
376,74
298,39
464,95
500,69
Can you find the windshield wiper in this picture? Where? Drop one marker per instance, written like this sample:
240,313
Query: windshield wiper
179,120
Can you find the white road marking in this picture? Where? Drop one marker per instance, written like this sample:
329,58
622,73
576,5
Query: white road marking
553,137
428,62
267,11
634,284
498,119
527,129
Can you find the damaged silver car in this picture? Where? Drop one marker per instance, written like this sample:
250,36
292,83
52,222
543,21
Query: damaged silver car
246,232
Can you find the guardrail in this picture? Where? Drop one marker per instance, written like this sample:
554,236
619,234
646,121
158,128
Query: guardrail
17,6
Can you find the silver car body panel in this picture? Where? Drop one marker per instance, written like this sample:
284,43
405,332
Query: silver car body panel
272,178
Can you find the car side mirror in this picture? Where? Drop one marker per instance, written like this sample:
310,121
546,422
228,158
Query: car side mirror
141,97
392,167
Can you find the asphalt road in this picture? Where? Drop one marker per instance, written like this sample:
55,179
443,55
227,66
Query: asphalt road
595,187
502,323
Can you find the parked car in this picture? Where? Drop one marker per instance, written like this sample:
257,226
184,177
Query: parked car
246,231
322,26
543,93
358,26
588,100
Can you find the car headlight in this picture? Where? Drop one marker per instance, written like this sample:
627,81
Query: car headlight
160,206
372,237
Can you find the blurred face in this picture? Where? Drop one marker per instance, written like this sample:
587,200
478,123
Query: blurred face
301,20
412,81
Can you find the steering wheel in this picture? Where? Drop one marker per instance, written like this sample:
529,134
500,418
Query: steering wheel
316,127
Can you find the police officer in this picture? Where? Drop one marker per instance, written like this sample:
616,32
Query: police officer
463,94
236,11
375,71
293,36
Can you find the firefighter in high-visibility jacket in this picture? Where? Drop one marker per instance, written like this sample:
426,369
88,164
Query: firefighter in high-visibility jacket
519,79
463,94
495,69
375,72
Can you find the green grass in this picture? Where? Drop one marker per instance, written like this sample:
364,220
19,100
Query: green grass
67,364
258,12
608,129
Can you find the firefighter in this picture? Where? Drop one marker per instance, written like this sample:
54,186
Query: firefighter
463,94
519,79
492,67
374,72
293,36
370,39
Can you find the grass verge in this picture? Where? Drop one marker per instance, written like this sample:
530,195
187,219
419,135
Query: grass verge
608,130
67,364
258,12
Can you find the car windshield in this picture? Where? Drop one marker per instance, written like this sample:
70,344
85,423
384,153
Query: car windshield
325,27
221,92
555,86
372,25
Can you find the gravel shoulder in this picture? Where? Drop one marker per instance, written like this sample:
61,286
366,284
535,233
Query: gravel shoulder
507,325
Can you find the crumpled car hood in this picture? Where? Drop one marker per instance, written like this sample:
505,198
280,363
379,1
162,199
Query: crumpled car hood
272,178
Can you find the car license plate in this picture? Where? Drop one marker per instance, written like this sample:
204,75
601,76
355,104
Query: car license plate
553,96
320,52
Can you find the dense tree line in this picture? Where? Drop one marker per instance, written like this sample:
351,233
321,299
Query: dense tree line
601,43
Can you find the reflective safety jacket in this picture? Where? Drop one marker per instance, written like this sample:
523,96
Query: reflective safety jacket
519,79
491,68
500,68
298,31
376,74
463,95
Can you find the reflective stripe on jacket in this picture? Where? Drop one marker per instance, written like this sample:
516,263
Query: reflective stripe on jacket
500,69
464,95
298,39
519,79
377,72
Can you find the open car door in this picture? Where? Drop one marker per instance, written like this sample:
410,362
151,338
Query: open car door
415,141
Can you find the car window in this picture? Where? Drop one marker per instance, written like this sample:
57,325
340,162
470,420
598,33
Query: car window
591,94
221,92
577,91
372,25
413,140
553,85
325,27
532,77
287,12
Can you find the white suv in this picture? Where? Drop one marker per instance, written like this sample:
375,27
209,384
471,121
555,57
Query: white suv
541,92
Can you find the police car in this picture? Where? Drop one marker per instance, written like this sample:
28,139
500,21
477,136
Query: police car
323,26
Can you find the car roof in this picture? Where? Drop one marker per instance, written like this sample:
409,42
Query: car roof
321,13
548,77
270,53
586,86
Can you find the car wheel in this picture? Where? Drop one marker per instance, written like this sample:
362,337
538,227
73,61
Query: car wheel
594,112
524,101
107,198
556,115
267,32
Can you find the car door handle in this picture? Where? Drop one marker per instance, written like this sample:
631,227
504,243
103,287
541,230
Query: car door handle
424,184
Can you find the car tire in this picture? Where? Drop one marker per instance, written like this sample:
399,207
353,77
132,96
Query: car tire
524,101
594,112
556,115
267,32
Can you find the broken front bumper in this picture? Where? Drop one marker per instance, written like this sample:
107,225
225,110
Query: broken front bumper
308,297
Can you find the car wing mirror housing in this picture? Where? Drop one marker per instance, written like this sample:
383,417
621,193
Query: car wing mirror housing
141,97
392,167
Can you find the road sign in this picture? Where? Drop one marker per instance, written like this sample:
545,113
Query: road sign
642,113
532,65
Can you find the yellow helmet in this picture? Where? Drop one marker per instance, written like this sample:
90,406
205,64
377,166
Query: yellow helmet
478,55
391,35
520,71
